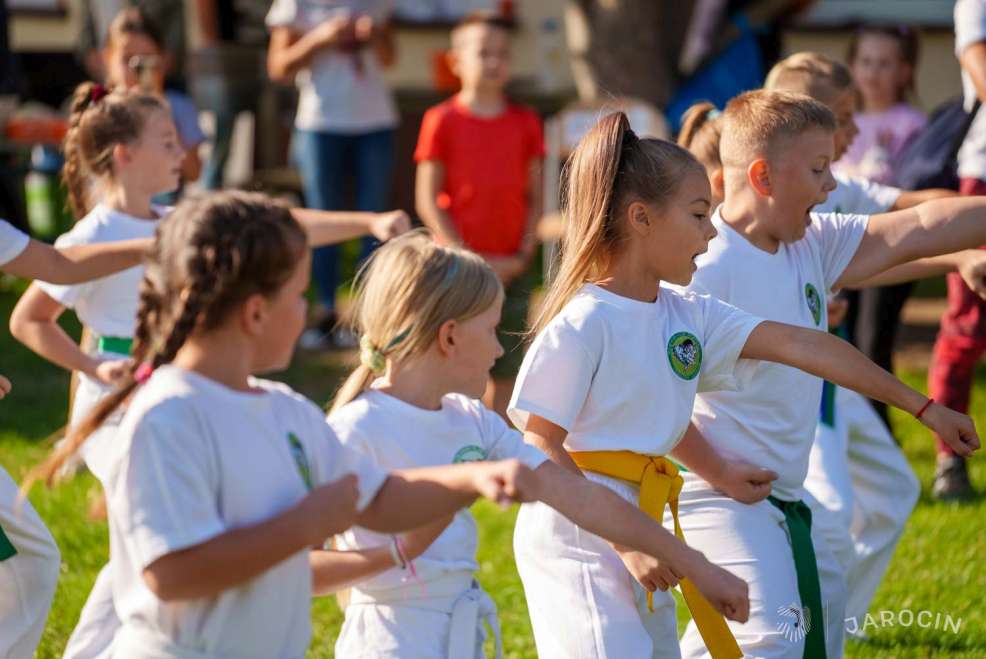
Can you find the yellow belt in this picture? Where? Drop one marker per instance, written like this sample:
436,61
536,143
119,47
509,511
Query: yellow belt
660,485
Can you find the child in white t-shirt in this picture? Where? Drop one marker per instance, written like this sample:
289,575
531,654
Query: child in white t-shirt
428,316
609,383
774,257
29,557
219,484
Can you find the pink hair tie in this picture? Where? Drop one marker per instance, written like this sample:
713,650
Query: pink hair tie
98,92
143,373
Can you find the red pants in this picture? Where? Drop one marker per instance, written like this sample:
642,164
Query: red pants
961,338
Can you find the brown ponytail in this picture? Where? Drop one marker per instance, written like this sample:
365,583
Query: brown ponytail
99,120
610,168
211,254
701,128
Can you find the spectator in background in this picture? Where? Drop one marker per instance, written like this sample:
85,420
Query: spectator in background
168,15
962,338
134,57
882,60
345,123
234,40
479,179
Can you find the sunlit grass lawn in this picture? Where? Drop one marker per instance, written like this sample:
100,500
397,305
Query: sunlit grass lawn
938,567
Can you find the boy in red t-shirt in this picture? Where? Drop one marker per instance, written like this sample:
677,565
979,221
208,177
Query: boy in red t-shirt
479,178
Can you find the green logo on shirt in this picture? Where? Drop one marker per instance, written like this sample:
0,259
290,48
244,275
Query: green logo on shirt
300,459
471,453
814,303
685,355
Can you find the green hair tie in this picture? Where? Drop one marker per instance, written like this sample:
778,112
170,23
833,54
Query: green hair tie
374,359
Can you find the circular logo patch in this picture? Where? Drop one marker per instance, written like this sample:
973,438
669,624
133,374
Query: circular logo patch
685,355
814,303
471,453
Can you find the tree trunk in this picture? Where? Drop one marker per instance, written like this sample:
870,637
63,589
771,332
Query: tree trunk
626,47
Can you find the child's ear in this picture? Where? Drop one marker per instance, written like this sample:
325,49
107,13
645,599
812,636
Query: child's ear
639,218
759,177
254,315
446,337
121,154
718,184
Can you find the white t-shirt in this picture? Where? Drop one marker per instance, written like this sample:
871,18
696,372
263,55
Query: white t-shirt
858,195
970,29
771,422
196,459
621,374
108,306
397,435
12,242
338,92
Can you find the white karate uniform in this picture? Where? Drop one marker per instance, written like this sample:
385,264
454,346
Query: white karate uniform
866,490
616,374
770,423
441,613
108,307
28,554
195,460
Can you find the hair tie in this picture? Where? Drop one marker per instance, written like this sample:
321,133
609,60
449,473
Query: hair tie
143,373
370,356
713,114
97,92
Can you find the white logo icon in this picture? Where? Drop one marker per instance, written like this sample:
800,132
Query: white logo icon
795,622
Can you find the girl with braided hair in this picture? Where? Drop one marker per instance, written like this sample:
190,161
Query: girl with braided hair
219,483
122,150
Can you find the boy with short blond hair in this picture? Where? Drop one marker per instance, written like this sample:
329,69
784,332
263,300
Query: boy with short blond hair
775,258
479,177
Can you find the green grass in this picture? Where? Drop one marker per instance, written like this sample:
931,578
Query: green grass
937,568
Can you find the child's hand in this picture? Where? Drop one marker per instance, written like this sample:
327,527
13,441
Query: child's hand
727,593
5,386
417,541
743,481
364,28
329,509
112,371
837,309
505,482
391,224
648,571
973,272
956,429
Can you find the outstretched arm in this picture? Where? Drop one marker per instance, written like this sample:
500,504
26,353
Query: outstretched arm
331,227
837,361
79,263
942,226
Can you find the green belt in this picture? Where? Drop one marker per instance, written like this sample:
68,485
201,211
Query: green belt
118,345
798,518
7,548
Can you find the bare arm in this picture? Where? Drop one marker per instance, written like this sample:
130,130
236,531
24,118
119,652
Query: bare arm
911,198
550,438
966,262
535,208
742,481
427,186
34,323
79,263
289,52
937,227
330,227
837,361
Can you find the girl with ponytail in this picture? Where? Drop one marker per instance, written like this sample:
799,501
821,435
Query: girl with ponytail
427,316
220,483
701,128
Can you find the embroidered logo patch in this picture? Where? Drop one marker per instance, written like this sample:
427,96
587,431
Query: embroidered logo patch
814,301
471,453
685,355
300,459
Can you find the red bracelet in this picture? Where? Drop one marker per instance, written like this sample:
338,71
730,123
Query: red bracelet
925,407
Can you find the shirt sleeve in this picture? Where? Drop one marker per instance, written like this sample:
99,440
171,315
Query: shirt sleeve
283,13
726,331
338,461
554,379
505,443
970,24
68,295
430,146
839,237
167,488
12,242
